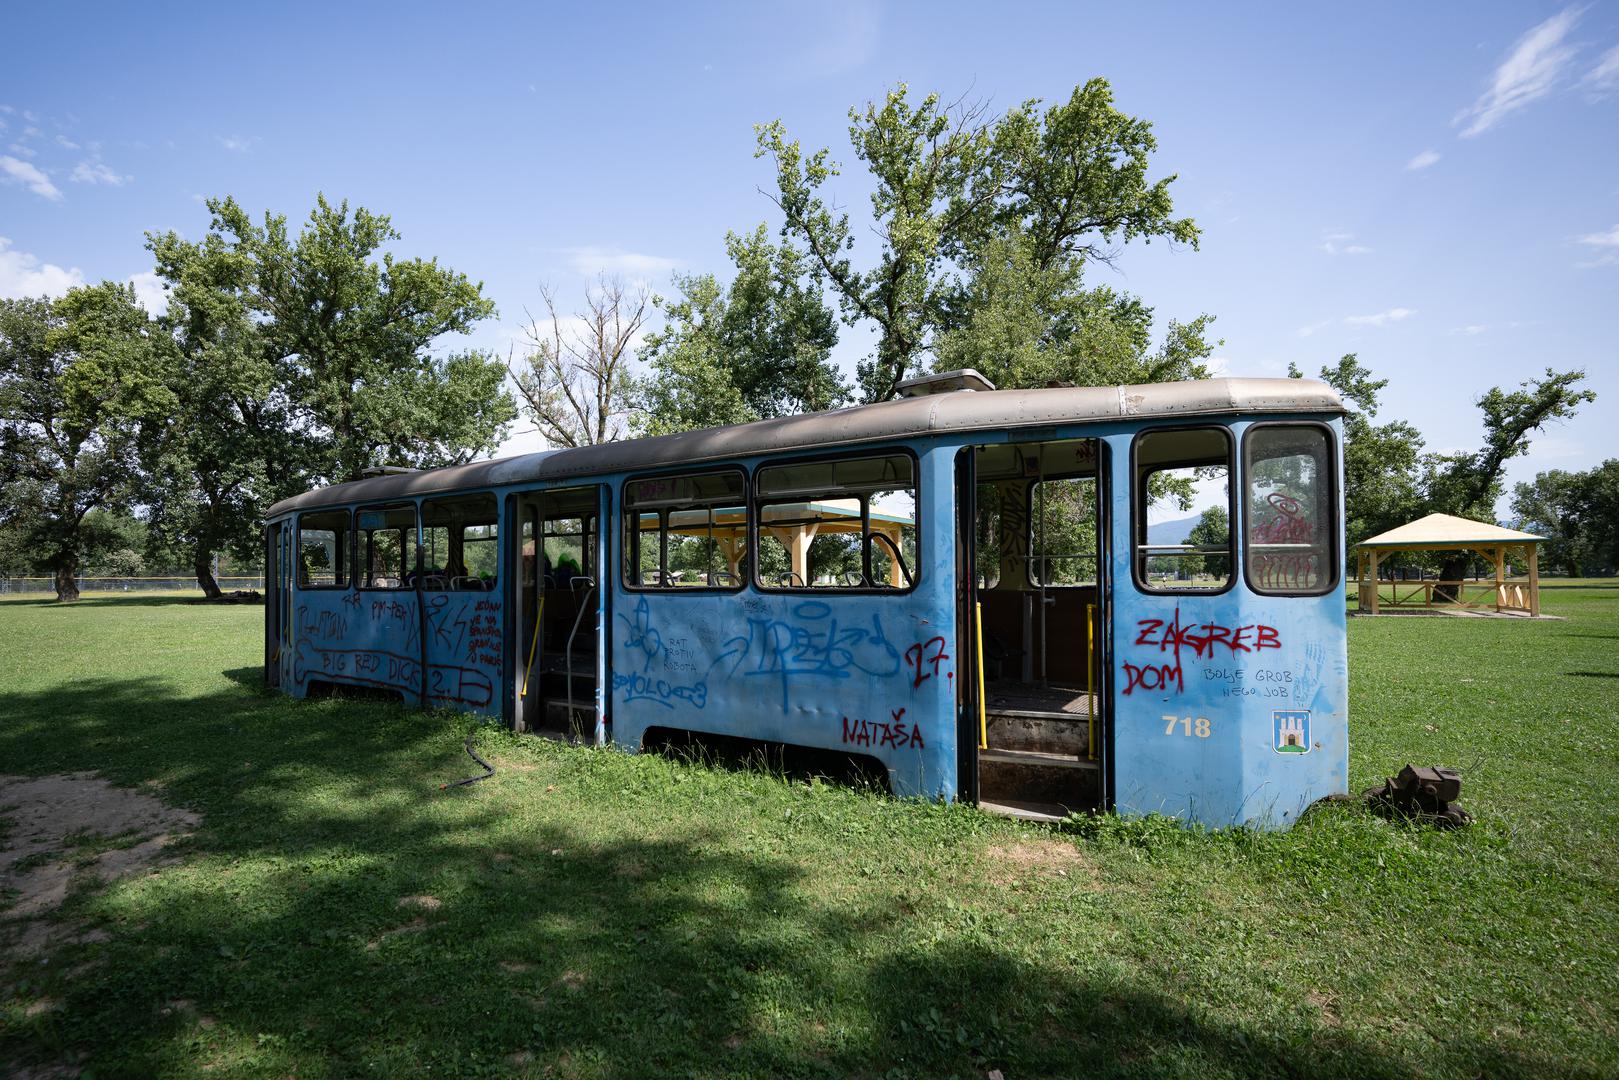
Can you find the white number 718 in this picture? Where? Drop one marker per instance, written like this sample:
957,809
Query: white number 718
1199,727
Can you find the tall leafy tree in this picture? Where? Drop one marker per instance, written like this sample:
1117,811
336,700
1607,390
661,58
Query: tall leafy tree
1390,480
1213,529
1470,484
758,348
233,444
76,379
294,360
352,336
1381,488
1578,513
985,226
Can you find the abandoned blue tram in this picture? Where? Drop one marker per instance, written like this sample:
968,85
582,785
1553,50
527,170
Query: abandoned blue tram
963,585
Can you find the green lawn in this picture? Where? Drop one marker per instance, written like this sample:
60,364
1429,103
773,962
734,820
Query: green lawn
590,913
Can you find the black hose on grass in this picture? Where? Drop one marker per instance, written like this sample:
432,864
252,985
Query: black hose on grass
488,769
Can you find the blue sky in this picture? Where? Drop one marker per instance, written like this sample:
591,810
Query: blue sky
1435,187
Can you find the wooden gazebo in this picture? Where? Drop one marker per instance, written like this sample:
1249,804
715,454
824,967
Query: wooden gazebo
1442,532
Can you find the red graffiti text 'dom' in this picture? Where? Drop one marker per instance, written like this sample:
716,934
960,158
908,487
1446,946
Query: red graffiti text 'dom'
1204,639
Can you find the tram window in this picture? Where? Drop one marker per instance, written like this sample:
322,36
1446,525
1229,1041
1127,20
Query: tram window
987,544
686,532
1290,509
460,547
323,550
1062,515
847,524
1173,469
385,534
567,549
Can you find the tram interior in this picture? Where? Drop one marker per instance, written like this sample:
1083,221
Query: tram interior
1036,563
560,600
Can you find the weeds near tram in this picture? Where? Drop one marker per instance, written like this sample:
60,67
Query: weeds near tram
596,914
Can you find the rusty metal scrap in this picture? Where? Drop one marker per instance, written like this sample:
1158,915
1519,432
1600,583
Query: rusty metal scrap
1425,794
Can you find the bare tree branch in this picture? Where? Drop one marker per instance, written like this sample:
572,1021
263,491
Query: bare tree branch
575,380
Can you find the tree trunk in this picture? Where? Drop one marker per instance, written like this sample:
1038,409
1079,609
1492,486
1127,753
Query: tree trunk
203,564
67,585
1451,568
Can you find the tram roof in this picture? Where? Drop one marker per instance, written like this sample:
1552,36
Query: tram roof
904,418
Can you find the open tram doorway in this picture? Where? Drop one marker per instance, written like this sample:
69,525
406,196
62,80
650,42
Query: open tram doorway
1033,562
559,613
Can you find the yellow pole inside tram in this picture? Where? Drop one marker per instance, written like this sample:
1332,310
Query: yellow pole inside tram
1090,680
978,640
539,613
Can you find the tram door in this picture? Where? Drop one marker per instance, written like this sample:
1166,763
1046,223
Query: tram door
1032,609
1184,629
273,602
560,661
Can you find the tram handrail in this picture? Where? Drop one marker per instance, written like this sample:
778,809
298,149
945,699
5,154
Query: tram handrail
590,587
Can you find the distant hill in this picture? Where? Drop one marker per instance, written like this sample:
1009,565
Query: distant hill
1172,532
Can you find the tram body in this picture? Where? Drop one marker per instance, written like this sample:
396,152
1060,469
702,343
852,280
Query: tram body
962,587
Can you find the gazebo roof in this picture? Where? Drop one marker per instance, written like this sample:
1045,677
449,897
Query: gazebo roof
1445,530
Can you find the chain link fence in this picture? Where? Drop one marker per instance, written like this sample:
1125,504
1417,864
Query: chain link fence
28,586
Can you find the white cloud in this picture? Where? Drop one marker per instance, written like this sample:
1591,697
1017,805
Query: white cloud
97,172
21,150
1607,249
18,171
30,131
1219,366
1337,243
1532,70
1470,331
1605,76
66,143
1306,331
591,260
22,274
1423,160
238,144
1382,318
1602,239
150,292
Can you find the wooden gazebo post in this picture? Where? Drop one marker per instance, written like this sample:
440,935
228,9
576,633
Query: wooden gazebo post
1500,575
1374,580
1534,579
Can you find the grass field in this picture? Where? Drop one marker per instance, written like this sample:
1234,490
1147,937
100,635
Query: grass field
589,913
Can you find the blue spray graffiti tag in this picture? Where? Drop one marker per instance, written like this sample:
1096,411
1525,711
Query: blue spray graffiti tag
811,643
644,640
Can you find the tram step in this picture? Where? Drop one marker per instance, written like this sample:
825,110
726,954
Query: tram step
1036,757
1025,811
583,663
1067,735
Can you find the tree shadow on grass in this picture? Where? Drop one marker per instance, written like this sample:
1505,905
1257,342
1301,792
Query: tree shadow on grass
335,913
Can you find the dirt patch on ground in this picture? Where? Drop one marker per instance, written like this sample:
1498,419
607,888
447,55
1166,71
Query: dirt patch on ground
1326,1003
1019,860
60,831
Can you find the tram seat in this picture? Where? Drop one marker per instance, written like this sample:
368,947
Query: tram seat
999,657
